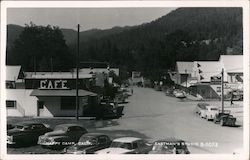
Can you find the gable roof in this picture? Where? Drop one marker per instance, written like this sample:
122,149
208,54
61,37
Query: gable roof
184,67
208,69
232,63
13,73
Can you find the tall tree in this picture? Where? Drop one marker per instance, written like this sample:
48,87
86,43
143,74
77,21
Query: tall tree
42,48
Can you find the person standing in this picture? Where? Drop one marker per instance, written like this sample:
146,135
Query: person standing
232,96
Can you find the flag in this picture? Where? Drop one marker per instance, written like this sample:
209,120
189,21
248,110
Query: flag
201,77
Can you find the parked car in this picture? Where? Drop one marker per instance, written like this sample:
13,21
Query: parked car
200,106
179,93
89,143
62,136
169,146
109,111
26,133
225,118
10,126
127,145
209,113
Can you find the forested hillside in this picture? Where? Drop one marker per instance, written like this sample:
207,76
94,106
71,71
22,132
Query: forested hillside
185,34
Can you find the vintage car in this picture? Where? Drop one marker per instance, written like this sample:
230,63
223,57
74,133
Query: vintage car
200,106
89,143
209,113
169,146
26,133
109,111
127,145
225,118
10,126
179,93
62,136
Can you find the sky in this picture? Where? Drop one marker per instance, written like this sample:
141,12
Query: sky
88,18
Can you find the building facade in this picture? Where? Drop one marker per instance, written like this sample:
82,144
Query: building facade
204,77
45,94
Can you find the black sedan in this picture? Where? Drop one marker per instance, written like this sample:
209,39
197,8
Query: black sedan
89,143
62,136
169,146
26,133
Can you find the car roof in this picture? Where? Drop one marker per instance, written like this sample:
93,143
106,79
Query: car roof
93,134
27,123
126,139
211,107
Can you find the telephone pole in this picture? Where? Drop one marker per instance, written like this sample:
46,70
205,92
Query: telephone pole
222,90
77,72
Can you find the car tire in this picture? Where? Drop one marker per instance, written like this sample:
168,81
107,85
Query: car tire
214,120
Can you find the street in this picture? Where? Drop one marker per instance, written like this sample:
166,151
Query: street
158,116
152,115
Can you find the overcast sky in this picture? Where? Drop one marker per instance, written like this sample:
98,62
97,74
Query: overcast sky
88,18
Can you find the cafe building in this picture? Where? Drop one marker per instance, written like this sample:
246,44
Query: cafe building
46,94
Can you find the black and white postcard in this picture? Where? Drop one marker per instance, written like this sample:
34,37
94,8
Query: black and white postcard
100,79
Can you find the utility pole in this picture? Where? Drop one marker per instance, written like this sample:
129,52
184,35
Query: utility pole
222,90
77,72
51,65
186,78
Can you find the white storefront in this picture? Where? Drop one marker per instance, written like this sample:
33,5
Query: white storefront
43,94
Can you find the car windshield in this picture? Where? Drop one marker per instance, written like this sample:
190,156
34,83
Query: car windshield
19,127
121,145
22,127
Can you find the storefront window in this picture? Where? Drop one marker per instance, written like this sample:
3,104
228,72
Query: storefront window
10,104
68,103
10,84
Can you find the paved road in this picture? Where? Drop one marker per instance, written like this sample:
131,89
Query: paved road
158,116
152,115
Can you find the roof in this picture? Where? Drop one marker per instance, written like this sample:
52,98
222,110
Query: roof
232,63
55,75
126,139
184,67
208,69
12,72
62,93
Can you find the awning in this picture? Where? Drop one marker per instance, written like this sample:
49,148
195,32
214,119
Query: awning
61,93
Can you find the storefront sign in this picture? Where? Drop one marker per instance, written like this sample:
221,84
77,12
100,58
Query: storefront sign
56,84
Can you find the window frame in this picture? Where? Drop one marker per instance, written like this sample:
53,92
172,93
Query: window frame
14,104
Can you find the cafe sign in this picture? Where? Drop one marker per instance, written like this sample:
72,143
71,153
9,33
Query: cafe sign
53,84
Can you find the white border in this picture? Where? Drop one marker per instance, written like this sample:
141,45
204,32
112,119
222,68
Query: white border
126,4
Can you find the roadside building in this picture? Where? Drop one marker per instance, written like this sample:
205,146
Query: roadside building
45,94
204,77
183,73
